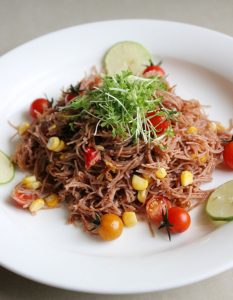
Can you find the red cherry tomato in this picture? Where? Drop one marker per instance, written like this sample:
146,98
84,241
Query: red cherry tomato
23,199
38,106
159,122
70,97
228,154
179,219
153,68
91,157
155,206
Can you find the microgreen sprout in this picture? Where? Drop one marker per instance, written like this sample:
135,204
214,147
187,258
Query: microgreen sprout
122,102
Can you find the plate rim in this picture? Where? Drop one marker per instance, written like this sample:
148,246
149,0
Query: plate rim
123,291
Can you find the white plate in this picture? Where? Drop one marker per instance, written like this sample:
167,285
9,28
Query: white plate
45,248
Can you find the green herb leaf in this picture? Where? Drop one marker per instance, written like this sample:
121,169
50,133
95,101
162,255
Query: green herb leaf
122,102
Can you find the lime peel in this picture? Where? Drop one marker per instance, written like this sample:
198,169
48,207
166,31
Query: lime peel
7,170
126,55
220,203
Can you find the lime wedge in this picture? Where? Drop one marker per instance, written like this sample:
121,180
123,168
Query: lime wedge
220,203
7,170
126,55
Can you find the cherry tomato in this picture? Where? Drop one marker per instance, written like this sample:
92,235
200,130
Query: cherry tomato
179,219
160,71
159,122
38,106
228,154
70,97
91,157
23,199
155,206
111,227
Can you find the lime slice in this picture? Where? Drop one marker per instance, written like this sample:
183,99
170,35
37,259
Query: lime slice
220,203
7,170
126,55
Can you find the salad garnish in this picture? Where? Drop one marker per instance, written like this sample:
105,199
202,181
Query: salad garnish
128,105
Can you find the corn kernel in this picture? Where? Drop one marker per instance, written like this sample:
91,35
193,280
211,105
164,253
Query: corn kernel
60,147
28,179
220,128
53,143
141,196
23,127
161,173
36,205
129,218
52,200
186,178
33,185
139,183
203,159
192,130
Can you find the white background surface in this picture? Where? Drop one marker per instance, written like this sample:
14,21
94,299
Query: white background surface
21,21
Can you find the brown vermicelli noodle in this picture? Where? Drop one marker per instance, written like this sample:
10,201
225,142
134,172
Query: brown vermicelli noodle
106,187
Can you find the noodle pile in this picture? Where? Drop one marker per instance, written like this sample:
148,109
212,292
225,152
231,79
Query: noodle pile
106,187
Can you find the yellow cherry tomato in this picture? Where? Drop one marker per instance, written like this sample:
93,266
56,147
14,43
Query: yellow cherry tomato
111,227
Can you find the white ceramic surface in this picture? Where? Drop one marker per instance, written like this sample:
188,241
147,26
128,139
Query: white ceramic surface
44,247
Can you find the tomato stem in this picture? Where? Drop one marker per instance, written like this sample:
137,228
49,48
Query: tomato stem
97,219
152,64
165,223
228,141
76,89
96,222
